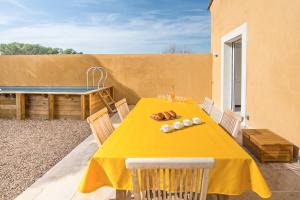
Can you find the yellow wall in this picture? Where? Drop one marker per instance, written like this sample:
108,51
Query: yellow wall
133,76
273,60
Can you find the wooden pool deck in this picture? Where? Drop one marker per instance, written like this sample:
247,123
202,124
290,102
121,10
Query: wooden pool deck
54,104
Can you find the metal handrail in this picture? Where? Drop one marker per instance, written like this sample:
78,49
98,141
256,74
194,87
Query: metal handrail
102,78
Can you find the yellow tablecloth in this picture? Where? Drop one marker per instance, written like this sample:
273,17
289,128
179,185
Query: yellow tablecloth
139,136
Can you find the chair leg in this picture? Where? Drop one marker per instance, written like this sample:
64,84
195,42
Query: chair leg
129,195
121,195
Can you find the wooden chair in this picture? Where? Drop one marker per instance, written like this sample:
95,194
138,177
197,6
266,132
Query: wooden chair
207,105
122,108
101,125
216,114
231,123
164,97
180,99
188,180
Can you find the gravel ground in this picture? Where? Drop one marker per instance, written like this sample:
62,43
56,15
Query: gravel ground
29,148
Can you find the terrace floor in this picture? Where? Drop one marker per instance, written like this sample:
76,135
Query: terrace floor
61,182
29,148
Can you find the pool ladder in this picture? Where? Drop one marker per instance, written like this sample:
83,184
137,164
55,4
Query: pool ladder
102,78
104,95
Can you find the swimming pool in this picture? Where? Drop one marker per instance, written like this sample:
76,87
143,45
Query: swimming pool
49,90
44,102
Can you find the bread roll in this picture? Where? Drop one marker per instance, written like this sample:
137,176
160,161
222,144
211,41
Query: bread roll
155,117
164,115
173,114
161,116
167,115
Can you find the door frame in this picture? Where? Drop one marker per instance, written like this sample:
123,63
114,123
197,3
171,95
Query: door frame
238,33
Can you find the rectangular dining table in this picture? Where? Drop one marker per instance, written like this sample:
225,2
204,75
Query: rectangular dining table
139,136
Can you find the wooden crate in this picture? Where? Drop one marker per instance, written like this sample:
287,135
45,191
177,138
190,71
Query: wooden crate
267,146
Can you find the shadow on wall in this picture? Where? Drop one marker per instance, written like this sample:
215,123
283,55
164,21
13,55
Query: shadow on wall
121,91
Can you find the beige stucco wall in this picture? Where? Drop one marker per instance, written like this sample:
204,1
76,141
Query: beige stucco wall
273,60
133,76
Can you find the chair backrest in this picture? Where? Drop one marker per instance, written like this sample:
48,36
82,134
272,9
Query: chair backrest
231,123
162,178
164,97
122,108
216,114
207,105
180,99
101,125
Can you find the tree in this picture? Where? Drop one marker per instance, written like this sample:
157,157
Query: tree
175,49
16,48
69,51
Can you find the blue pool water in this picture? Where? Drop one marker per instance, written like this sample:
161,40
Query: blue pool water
46,88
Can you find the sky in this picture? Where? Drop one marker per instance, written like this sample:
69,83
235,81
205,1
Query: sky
108,26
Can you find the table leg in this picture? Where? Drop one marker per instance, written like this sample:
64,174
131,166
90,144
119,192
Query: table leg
121,195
